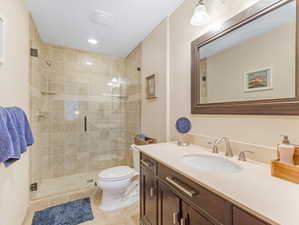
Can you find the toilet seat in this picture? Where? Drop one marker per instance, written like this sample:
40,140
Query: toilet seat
117,173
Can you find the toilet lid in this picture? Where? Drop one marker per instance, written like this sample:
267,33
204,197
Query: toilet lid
116,173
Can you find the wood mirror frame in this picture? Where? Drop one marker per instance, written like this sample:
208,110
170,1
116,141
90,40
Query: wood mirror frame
283,106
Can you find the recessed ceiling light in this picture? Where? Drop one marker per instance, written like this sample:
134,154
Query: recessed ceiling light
93,41
89,63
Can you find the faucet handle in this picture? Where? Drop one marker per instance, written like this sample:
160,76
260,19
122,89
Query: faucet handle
215,148
242,155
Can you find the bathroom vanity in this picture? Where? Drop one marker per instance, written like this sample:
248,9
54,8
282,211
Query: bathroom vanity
172,192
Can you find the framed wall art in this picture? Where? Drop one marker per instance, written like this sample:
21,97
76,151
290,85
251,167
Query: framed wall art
259,80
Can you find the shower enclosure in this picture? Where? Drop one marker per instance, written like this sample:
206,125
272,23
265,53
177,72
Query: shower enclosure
85,111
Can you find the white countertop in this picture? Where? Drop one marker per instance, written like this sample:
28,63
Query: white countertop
253,188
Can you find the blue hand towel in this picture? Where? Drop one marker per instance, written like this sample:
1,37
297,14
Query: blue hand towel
23,128
10,148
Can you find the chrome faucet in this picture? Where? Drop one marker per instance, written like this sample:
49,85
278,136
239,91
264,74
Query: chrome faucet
214,147
242,155
228,148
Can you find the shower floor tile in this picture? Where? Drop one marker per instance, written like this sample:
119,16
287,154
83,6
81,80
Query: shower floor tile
54,186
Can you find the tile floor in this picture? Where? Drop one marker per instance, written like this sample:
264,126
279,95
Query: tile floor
66,184
127,216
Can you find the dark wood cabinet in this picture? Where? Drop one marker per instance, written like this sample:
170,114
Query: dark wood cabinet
169,212
240,217
174,211
169,198
148,195
207,202
191,217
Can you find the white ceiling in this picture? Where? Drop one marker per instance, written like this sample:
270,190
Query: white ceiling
67,22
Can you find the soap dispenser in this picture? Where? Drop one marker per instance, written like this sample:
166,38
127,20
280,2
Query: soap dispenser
286,151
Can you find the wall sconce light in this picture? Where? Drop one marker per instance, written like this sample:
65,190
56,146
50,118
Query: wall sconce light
200,15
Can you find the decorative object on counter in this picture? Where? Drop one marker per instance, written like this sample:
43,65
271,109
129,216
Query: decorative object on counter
183,126
296,156
141,139
15,134
285,171
151,87
1,40
287,165
286,151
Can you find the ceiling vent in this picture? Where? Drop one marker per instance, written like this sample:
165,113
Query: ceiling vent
101,18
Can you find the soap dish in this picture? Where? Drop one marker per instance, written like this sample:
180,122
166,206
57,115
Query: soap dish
286,171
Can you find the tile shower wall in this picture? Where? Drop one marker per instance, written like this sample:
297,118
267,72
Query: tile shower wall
68,85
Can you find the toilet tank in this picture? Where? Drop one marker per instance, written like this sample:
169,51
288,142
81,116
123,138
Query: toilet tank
136,155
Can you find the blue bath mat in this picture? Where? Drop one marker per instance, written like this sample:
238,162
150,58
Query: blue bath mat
71,213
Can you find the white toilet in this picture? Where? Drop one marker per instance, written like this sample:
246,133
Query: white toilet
119,187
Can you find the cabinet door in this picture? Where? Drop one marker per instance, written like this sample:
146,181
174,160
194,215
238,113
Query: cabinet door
241,217
148,192
192,217
169,212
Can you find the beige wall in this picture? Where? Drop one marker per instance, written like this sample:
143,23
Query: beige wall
154,61
226,69
14,86
263,130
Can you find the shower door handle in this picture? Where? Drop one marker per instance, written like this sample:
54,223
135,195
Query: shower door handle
85,123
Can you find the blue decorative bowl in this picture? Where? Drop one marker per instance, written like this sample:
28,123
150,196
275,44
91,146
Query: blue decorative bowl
183,125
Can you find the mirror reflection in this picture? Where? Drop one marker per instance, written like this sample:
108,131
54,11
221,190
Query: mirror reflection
253,62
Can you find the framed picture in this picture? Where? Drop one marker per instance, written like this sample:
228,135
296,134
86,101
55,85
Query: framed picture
259,80
1,40
151,87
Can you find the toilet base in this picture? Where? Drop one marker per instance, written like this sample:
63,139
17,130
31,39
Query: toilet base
114,202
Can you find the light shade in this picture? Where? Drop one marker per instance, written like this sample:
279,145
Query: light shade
200,16
92,41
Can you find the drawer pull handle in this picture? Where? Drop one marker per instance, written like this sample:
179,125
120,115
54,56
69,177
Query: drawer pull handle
152,193
175,218
190,193
146,164
183,221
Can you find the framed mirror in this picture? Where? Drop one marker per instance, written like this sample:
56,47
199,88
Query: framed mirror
249,66
1,40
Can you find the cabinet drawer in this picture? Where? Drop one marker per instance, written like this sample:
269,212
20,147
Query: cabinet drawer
241,217
148,162
204,199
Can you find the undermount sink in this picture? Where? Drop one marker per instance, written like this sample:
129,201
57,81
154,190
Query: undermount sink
211,163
